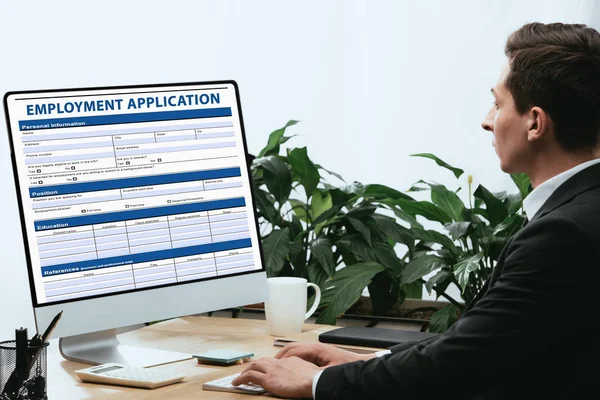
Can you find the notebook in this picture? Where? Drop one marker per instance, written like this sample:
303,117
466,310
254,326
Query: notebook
372,337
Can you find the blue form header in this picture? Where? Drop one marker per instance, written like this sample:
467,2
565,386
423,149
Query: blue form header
124,118
144,257
83,220
124,183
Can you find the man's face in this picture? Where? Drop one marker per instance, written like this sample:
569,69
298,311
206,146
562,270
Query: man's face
509,129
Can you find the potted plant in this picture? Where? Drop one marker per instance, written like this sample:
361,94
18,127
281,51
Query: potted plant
341,237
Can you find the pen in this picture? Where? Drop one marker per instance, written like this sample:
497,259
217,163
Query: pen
35,338
38,340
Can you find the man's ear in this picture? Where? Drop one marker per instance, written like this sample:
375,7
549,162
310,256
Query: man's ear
538,124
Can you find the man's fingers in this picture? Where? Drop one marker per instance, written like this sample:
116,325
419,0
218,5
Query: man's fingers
297,352
283,352
249,377
259,366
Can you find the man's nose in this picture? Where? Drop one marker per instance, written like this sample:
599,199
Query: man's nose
488,121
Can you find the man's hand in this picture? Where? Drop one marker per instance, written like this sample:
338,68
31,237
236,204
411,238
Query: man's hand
290,377
322,355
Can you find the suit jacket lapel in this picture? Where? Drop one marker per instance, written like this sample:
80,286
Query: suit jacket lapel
582,181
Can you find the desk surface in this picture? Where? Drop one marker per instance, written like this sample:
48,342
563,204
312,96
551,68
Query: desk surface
188,335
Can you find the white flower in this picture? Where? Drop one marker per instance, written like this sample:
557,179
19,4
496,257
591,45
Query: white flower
468,184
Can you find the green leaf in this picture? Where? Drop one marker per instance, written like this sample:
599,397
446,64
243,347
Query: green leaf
383,192
380,252
305,169
320,250
316,275
449,256
463,269
523,184
329,214
420,267
275,140
457,229
431,236
447,201
394,231
509,226
495,208
441,280
501,195
457,171
330,172
277,177
338,196
415,188
276,248
513,203
265,205
443,319
346,287
424,209
386,256
296,227
363,210
413,290
299,208
362,229
285,139
407,218
422,248
320,203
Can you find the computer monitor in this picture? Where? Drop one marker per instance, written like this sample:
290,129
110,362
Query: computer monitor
136,205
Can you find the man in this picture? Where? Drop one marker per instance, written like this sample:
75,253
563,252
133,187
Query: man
528,334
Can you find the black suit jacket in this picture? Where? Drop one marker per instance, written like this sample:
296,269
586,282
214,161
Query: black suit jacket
530,332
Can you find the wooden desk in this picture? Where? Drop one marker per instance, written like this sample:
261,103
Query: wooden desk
188,335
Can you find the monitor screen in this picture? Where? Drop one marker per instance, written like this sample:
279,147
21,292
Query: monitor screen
125,189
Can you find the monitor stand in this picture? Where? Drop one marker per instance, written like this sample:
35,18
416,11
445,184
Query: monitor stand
104,347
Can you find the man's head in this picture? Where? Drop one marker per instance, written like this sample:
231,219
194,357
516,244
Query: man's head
548,97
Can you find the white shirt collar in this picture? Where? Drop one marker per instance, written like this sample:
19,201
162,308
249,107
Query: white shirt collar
538,196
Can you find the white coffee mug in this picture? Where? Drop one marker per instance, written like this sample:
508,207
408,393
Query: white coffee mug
285,308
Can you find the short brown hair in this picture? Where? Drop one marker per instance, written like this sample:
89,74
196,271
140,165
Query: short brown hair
557,68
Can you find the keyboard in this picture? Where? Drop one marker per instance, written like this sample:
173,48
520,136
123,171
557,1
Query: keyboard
224,385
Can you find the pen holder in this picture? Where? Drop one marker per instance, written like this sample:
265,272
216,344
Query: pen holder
32,387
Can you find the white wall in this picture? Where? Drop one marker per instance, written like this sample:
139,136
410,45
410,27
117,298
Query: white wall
371,81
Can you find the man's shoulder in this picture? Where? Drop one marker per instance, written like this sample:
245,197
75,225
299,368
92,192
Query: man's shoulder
573,227
574,221
583,210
